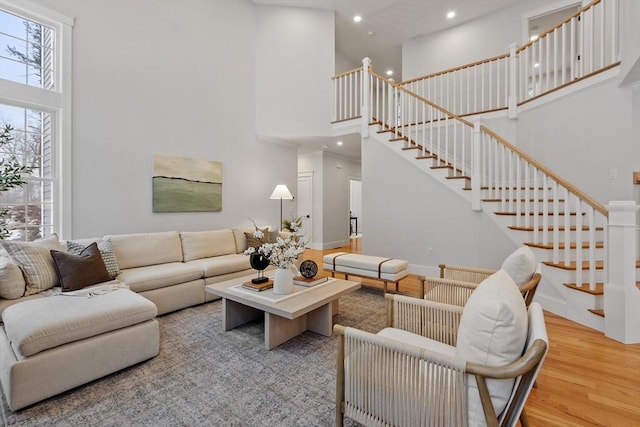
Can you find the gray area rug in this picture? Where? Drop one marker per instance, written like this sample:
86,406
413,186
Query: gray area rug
204,376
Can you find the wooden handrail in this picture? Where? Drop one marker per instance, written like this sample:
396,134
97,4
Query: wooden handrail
460,67
346,73
573,189
552,29
426,101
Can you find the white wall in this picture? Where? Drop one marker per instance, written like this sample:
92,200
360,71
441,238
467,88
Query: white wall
629,45
473,41
408,212
337,171
159,77
294,64
585,135
330,196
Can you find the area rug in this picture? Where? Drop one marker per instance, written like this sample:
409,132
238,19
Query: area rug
204,376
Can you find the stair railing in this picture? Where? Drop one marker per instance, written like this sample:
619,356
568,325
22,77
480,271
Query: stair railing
544,204
584,44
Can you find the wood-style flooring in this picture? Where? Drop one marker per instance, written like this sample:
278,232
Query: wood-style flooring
586,380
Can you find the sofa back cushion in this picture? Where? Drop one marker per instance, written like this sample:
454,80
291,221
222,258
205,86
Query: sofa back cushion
142,249
493,331
206,244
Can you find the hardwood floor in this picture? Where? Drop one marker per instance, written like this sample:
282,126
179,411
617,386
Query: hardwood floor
586,380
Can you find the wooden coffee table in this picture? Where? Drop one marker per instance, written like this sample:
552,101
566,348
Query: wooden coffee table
285,316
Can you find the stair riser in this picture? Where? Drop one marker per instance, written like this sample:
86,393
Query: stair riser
547,254
511,207
528,236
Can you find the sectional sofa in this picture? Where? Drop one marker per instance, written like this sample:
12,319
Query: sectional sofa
52,341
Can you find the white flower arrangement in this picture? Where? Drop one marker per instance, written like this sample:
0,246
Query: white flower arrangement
283,252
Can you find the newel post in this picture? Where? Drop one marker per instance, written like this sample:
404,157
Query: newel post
621,296
476,153
365,108
513,82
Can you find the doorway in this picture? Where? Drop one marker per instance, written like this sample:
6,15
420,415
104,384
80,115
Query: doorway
305,205
355,208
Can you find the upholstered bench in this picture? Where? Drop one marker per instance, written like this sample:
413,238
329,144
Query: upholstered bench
52,344
372,267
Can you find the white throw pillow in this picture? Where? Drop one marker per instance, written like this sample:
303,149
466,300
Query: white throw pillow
493,331
520,265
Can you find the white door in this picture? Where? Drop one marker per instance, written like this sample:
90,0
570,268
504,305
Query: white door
305,205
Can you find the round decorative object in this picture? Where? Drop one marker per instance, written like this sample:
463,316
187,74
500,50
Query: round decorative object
258,261
308,268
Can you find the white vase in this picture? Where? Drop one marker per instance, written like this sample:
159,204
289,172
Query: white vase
283,281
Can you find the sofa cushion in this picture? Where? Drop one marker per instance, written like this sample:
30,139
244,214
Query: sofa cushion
34,259
159,276
205,244
12,285
520,265
44,323
77,271
106,252
241,239
224,264
492,331
142,249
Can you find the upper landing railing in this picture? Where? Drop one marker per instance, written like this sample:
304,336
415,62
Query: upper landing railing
584,44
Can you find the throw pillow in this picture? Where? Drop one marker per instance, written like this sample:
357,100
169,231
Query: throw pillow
254,242
12,284
34,259
77,271
492,331
520,265
106,252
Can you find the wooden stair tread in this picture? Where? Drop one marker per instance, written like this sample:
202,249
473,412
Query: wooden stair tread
572,245
572,265
550,228
521,200
597,311
458,177
442,167
413,147
532,213
426,157
599,290
397,139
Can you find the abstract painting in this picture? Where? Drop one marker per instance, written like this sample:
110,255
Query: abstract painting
181,184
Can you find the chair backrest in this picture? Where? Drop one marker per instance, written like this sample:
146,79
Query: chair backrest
537,333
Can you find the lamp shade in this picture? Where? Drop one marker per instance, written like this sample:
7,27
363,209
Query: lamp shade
281,192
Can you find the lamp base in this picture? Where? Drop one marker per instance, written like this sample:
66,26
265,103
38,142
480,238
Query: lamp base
259,280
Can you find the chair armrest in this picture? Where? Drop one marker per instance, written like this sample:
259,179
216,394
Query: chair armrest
429,319
464,273
447,291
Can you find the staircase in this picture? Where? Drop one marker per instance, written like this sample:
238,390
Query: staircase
566,228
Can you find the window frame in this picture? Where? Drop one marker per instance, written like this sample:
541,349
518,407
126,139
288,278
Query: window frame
57,102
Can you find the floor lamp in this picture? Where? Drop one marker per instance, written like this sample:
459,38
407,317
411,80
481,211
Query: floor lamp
281,192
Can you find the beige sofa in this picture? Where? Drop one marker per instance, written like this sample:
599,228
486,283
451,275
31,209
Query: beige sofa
169,268
42,331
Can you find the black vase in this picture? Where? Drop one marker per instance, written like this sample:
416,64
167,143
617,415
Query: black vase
258,261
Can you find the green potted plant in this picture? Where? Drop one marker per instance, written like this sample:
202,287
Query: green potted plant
11,176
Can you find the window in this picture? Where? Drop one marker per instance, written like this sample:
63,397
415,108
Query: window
35,102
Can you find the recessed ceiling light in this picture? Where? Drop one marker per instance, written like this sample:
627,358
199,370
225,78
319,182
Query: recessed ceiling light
451,14
389,72
357,18
371,33
536,65
339,143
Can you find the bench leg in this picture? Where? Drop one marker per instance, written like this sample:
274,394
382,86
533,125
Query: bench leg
333,274
384,288
346,276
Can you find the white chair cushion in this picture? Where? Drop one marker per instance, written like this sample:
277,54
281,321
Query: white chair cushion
520,265
493,331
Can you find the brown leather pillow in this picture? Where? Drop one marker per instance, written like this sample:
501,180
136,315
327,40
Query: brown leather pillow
77,271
